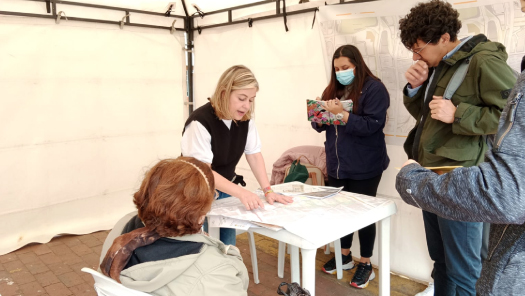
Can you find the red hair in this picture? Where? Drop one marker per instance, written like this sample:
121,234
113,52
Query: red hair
174,195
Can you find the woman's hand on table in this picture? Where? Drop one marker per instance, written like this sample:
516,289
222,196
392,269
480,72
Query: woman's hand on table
251,201
274,197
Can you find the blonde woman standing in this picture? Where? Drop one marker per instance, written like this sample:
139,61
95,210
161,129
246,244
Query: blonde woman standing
221,131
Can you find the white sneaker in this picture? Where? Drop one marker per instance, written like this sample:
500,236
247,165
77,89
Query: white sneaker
429,291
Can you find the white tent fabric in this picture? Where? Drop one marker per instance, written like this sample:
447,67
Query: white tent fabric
85,109
290,69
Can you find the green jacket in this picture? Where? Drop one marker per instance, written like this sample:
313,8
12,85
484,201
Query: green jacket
479,101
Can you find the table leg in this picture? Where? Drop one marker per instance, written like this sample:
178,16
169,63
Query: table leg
294,264
338,259
253,256
309,269
281,259
384,257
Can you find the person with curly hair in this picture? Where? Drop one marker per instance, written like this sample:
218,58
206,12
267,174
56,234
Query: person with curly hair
451,131
162,250
491,192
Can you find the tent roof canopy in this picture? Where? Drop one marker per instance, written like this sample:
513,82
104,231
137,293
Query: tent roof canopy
161,6
205,13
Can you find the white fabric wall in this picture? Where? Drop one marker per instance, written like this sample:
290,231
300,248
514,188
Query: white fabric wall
290,69
287,66
85,109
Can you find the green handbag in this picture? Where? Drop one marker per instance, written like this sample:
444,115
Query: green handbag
297,172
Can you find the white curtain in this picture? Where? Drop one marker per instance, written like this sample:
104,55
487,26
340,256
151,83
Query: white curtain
290,69
85,110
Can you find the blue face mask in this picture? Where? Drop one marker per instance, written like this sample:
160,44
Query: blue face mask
345,77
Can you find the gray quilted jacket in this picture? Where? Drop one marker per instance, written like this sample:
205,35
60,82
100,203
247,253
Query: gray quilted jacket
492,192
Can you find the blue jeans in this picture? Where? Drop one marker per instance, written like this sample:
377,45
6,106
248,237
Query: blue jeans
455,247
227,235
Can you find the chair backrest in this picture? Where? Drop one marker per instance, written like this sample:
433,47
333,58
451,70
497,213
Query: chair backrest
316,176
106,286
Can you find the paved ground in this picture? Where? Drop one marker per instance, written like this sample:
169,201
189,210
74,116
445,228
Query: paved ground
53,269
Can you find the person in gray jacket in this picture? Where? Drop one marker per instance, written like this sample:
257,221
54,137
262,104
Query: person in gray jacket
493,191
162,250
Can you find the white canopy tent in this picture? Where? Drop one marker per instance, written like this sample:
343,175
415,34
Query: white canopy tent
87,106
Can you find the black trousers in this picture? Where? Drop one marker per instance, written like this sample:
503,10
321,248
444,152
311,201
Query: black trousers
367,235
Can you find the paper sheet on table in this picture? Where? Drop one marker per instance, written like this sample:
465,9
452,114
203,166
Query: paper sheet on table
302,216
227,222
323,193
268,226
298,188
310,229
232,207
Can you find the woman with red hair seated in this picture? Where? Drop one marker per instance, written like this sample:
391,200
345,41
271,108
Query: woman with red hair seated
163,250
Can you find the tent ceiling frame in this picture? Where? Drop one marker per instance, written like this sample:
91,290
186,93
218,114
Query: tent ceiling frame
251,20
278,12
239,7
188,24
52,14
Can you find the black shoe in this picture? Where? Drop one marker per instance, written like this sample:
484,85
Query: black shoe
362,276
348,263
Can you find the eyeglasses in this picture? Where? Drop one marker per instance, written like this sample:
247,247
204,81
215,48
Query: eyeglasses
420,50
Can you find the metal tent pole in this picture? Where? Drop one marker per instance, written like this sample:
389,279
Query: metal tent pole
188,26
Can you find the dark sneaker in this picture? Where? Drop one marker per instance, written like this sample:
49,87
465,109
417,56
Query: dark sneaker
348,263
362,276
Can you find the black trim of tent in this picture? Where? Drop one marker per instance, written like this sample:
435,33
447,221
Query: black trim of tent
277,12
188,24
53,14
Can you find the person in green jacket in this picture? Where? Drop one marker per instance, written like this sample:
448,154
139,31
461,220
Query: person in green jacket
451,131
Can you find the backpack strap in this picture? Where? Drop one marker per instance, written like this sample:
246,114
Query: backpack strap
453,85
457,79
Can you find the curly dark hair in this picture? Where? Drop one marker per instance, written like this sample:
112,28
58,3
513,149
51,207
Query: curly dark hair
428,21
174,195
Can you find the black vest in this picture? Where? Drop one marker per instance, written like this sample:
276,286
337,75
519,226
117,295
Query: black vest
227,145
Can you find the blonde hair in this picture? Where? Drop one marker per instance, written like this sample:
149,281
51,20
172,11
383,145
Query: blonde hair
235,78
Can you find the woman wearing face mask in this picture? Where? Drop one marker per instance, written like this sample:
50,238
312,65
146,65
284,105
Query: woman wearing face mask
221,131
356,152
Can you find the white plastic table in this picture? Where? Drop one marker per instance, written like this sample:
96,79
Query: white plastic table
348,225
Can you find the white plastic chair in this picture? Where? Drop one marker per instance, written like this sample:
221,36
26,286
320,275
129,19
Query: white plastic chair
106,286
295,261
253,254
